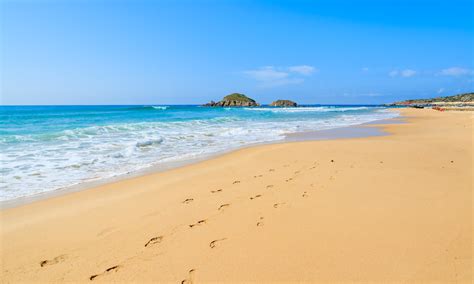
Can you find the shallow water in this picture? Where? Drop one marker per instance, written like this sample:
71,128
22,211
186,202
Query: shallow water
44,148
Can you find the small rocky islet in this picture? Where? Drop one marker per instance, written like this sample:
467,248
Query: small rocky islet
283,103
241,100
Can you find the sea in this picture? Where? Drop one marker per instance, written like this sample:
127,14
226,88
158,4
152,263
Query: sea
46,148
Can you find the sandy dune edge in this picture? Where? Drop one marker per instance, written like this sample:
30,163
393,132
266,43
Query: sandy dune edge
395,208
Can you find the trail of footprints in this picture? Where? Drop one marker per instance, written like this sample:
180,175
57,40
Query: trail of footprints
190,278
256,196
108,270
198,223
55,260
223,206
213,244
153,241
276,205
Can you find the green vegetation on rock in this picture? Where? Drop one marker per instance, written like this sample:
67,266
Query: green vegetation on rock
284,103
461,98
238,98
234,100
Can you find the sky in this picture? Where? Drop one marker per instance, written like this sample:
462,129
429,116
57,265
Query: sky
190,52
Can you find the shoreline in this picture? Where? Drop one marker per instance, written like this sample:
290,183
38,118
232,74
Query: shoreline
393,209
362,130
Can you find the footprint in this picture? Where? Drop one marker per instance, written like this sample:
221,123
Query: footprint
108,270
55,260
256,196
258,176
216,191
198,223
190,278
332,161
188,200
276,205
313,167
297,172
304,194
270,186
214,242
290,179
271,170
223,206
286,166
235,182
260,223
154,240
105,231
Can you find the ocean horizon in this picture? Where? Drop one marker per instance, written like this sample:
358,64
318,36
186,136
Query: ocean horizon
46,148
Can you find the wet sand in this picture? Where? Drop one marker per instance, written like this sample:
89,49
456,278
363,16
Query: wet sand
391,208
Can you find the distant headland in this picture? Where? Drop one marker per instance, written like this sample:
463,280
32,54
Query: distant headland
456,102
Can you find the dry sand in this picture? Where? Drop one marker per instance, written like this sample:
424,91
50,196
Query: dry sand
394,208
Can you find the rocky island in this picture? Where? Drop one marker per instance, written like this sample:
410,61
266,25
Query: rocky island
234,100
284,103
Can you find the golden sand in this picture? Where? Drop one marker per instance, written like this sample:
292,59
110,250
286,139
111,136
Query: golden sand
394,208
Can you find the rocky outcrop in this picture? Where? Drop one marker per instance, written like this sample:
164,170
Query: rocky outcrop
467,98
284,103
234,100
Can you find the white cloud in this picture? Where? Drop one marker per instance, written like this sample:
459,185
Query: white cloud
283,82
270,76
403,73
393,73
267,73
408,73
363,95
456,71
303,69
441,90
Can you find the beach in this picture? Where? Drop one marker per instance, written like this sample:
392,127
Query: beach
393,208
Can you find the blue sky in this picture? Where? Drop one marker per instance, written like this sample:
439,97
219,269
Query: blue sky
189,52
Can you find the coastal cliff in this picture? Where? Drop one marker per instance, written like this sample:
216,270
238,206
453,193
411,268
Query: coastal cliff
456,102
283,103
234,100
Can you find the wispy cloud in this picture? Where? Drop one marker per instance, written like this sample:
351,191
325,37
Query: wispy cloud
403,73
441,90
303,69
270,76
456,71
363,94
267,73
408,73
393,73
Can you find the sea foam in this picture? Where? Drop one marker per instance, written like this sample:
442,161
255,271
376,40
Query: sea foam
49,149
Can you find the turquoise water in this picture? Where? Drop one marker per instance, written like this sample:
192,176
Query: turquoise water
45,148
